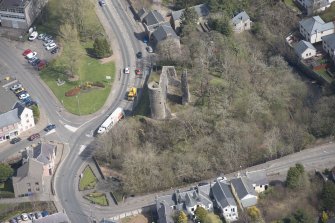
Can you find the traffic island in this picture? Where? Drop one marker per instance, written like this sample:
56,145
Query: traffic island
87,179
97,198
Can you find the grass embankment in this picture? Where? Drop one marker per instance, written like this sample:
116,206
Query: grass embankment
324,74
329,14
90,70
88,180
97,198
292,5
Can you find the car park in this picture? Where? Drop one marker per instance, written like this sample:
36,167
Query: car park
23,96
55,50
31,55
38,215
47,37
26,52
34,136
41,36
15,140
48,42
126,70
51,46
50,127
34,63
139,55
32,216
31,60
15,87
24,217
21,92
33,36
149,49
17,91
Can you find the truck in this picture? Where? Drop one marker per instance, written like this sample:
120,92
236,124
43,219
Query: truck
116,116
132,94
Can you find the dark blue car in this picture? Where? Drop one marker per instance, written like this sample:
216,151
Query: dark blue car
50,127
45,213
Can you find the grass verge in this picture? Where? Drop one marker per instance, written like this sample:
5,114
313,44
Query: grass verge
88,180
329,14
323,73
97,198
292,5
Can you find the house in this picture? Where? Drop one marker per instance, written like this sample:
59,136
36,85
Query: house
163,32
328,45
314,28
241,22
29,179
152,20
314,6
20,14
54,218
258,180
304,49
44,153
224,200
244,192
165,205
141,14
202,11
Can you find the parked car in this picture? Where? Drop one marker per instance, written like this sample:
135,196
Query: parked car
138,71
47,37
41,65
41,36
50,127
24,217
45,213
15,87
18,219
15,140
47,42
31,55
51,46
32,216
102,2
145,39
30,103
149,49
19,90
23,96
13,220
26,52
34,136
34,63
33,36
139,55
55,50
22,92
126,70
31,60
38,215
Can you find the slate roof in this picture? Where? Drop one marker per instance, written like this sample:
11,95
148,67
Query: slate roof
32,168
164,212
242,16
8,100
20,108
223,195
243,187
163,32
302,46
42,152
202,10
258,177
141,12
330,40
153,17
54,218
315,23
9,118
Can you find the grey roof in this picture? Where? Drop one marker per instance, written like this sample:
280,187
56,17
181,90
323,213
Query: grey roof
163,32
330,40
20,108
8,100
42,152
315,23
6,4
153,17
54,218
168,199
243,187
9,118
223,195
258,177
202,10
141,12
32,168
317,4
164,212
242,16
302,46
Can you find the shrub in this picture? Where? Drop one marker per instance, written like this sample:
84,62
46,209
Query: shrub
72,92
98,84
102,48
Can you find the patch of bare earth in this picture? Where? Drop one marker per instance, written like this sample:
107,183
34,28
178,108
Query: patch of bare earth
136,219
107,59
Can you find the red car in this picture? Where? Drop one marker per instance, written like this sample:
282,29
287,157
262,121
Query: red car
34,136
138,71
26,52
41,65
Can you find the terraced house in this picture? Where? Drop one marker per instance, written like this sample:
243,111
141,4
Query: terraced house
20,14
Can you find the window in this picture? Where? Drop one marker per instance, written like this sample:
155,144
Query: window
261,186
192,209
226,209
306,54
37,183
29,190
37,189
28,184
233,209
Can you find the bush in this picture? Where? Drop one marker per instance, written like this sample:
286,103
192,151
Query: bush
72,92
36,113
98,84
102,48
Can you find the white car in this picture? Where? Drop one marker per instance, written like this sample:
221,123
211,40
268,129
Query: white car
41,36
48,42
15,87
126,70
24,96
149,49
24,217
33,36
51,46
31,55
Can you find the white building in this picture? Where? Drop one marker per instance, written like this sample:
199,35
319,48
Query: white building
258,180
304,49
241,22
328,44
314,28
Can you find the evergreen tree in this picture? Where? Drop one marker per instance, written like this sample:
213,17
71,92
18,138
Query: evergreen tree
201,214
102,48
328,196
5,172
182,218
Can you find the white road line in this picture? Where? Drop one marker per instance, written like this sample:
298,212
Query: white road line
81,149
50,132
71,128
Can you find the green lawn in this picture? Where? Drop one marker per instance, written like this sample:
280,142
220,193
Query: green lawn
97,198
88,180
6,189
329,14
323,73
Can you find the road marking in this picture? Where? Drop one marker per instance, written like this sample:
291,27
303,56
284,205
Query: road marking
81,149
71,128
50,132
